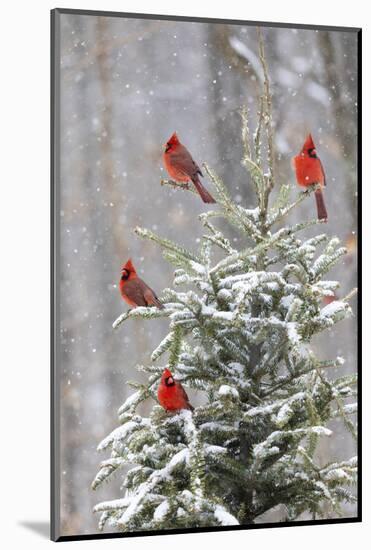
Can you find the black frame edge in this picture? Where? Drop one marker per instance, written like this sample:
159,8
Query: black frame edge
191,19
52,274
359,270
67,538
54,266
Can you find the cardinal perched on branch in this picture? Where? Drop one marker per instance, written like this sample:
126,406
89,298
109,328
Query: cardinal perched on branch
182,168
134,291
309,171
171,393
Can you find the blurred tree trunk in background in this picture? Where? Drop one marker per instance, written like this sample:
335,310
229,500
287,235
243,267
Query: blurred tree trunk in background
225,122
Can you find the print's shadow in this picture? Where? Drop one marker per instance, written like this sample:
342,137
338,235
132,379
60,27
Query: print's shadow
40,527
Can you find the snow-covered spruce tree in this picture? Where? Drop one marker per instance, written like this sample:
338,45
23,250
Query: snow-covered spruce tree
239,332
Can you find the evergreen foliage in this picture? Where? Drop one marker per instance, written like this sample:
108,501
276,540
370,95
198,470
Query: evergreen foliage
240,327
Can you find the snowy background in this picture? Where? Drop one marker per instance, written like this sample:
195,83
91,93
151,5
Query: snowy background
126,85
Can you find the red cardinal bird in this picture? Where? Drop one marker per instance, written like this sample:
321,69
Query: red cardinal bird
134,291
309,171
181,166
329,299
171,393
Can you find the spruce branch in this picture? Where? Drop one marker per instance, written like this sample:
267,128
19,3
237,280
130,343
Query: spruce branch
142,312
348,423
282,213
176,346
179,185
167,244
350,295
245,132
253,167
217,236
233,213
257,134
267,117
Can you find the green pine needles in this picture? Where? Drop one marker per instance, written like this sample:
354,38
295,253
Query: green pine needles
240,327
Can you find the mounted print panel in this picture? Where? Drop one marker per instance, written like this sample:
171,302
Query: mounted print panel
205,237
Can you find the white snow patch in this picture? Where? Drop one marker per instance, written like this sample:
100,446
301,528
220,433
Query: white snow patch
112,504
351,408
180,457
332,309
161,511
284,414
223,315
292,333
214,426
321,430
228,390
131,400
224,294
120,433
287,300
198,268
301,475
215,449
324,489
262,451
337,473
224,517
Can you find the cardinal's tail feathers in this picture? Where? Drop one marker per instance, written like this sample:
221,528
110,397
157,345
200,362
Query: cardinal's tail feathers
204,194
321,208
156,302
152,300
159,304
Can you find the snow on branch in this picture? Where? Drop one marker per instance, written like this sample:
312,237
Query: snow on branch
143,312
